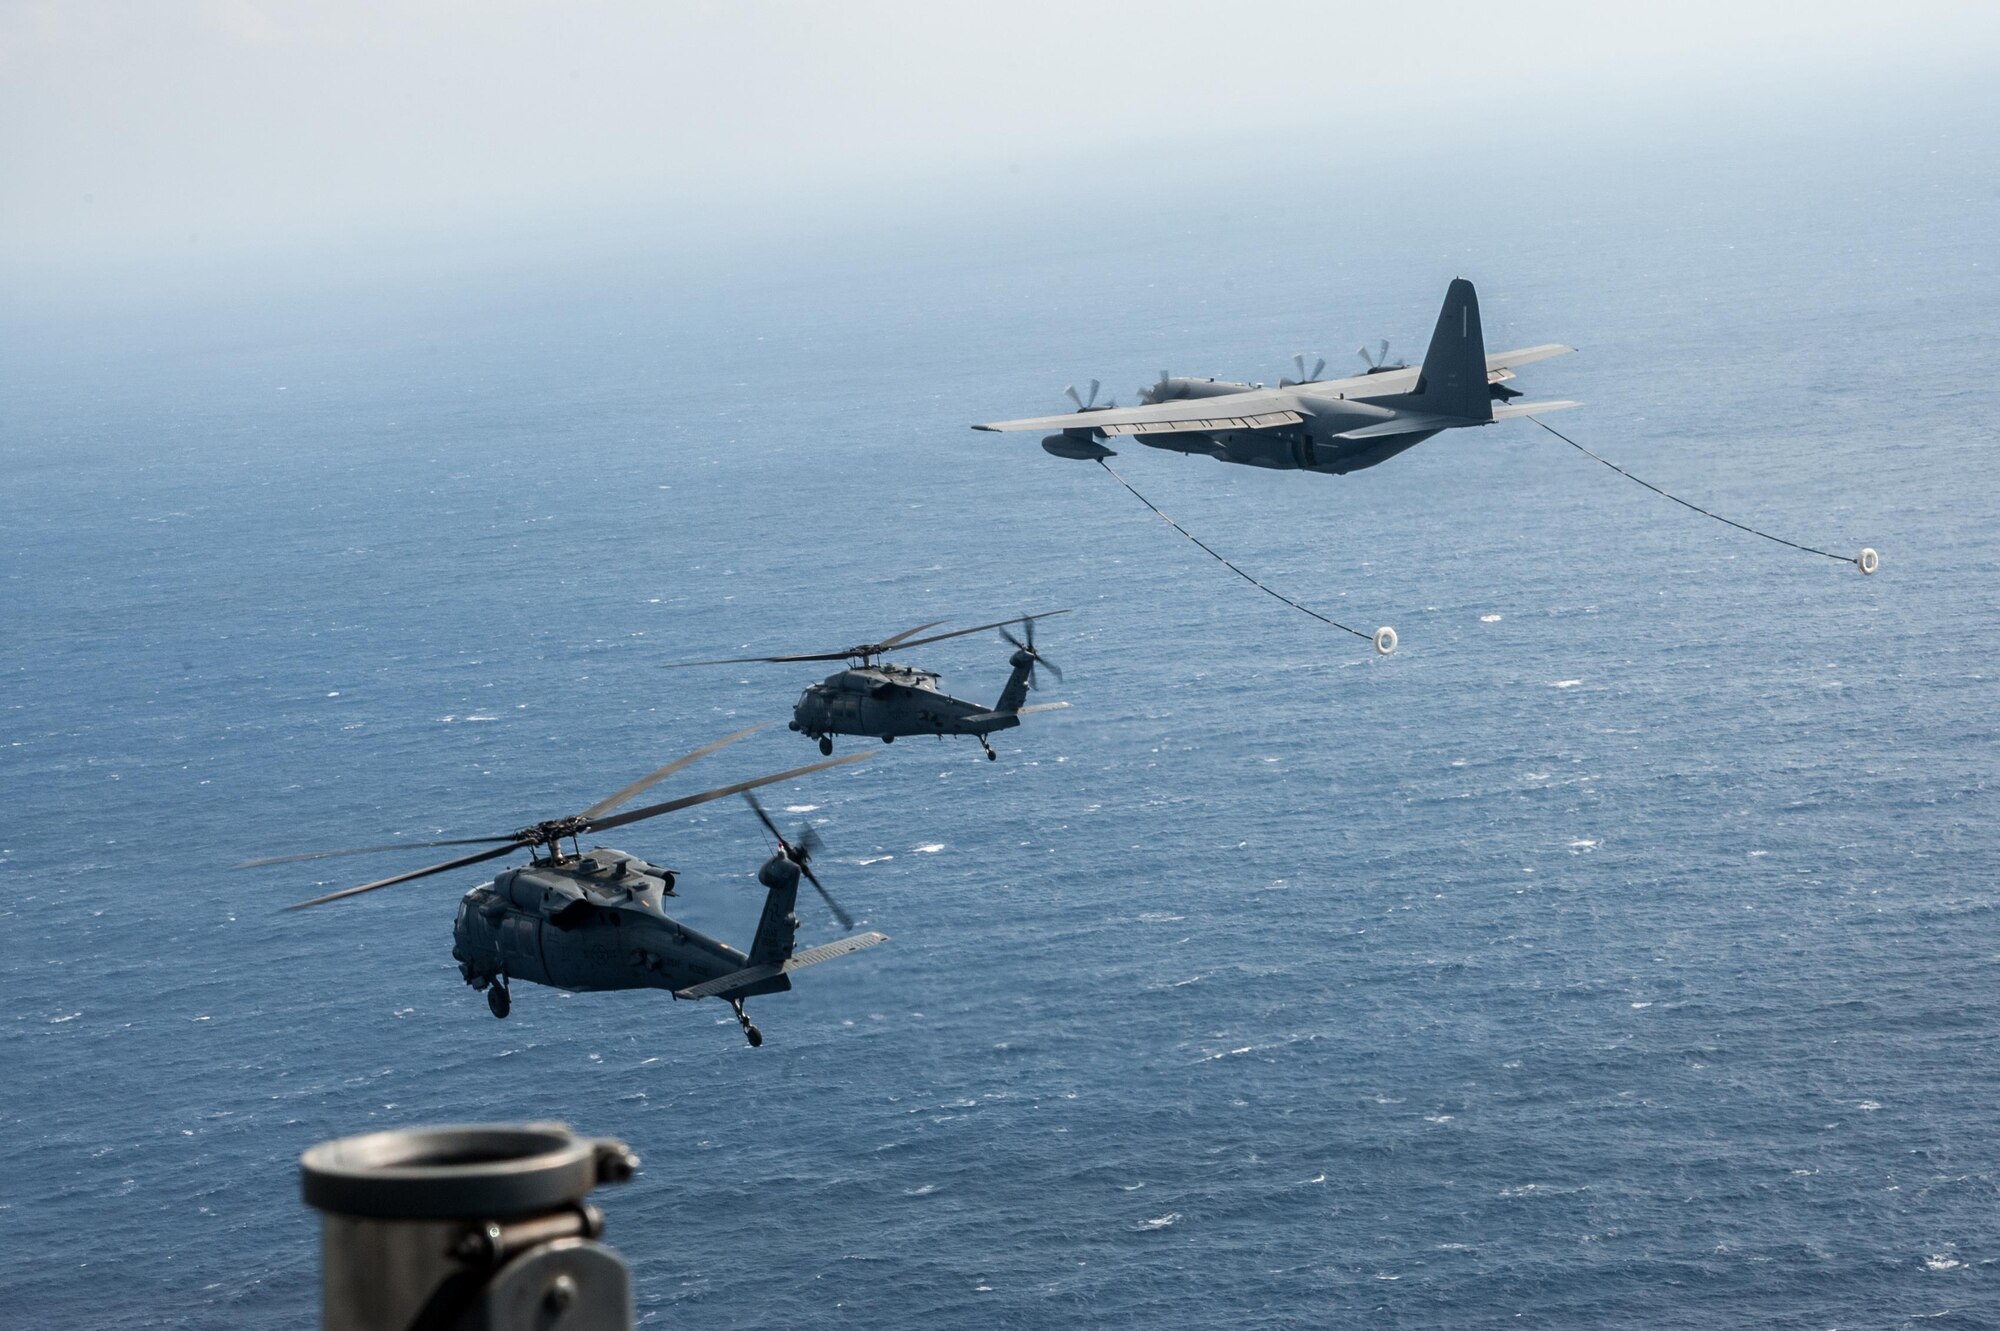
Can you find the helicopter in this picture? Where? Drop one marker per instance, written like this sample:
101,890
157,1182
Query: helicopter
593,920
880,698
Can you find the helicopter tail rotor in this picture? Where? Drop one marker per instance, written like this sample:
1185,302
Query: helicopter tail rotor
800,851
1036,660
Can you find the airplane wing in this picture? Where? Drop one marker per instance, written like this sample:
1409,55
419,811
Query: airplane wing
1264,408
1258,409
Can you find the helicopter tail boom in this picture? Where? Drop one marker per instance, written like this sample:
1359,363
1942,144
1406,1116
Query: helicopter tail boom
758,979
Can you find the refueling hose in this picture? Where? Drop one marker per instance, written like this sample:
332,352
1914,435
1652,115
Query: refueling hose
1867,561
1384,638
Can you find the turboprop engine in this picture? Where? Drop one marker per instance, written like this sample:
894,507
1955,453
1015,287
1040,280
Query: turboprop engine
1172,389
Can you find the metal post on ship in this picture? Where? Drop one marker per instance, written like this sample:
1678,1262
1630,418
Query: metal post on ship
476,1228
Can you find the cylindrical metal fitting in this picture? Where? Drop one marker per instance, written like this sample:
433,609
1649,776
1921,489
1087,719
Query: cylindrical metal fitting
474,1227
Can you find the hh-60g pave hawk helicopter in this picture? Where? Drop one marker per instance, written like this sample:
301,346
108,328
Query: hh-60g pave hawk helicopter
593,920
884,700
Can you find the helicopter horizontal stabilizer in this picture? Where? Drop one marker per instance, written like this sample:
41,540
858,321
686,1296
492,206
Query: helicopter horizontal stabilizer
724,985
1002,720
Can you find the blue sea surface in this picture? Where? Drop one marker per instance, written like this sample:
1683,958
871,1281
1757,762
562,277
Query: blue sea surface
1620,952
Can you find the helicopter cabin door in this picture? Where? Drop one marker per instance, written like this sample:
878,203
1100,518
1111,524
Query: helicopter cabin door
845,709
521,947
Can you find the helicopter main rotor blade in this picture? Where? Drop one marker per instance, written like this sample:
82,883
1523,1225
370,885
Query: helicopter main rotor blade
601,806
760,660
720,792
610,802
887,643
371,850
459,863
846,920
865,649
981,628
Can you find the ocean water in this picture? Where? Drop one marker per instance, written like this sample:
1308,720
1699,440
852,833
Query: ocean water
1618,953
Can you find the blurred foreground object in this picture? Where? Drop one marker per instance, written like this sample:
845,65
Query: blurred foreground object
478,1228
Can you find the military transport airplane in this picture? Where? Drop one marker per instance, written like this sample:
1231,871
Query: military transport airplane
1328,425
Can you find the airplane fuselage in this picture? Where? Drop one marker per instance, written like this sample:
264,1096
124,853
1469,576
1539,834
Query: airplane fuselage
1312,424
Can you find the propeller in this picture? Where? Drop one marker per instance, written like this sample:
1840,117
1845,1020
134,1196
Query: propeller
1304,378
551,832
1154,394
1035,659
869,651
1379,360
1090,403
800,852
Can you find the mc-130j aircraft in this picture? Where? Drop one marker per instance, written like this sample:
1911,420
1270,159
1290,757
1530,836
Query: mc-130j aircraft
1327,425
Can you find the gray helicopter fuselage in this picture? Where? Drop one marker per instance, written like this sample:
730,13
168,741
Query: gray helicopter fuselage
585,924
889,700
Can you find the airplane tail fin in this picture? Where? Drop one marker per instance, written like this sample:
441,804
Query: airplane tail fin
1453,381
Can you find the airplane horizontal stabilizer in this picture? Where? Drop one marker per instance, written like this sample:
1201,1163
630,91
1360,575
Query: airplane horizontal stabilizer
1410,422
1508,411
1514,360
724,985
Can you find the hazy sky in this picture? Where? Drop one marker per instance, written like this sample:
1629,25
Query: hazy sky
128,128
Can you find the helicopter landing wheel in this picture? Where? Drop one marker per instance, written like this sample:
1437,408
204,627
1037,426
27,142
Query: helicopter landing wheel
990,755
750,1031
498,999
825,744
888,739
